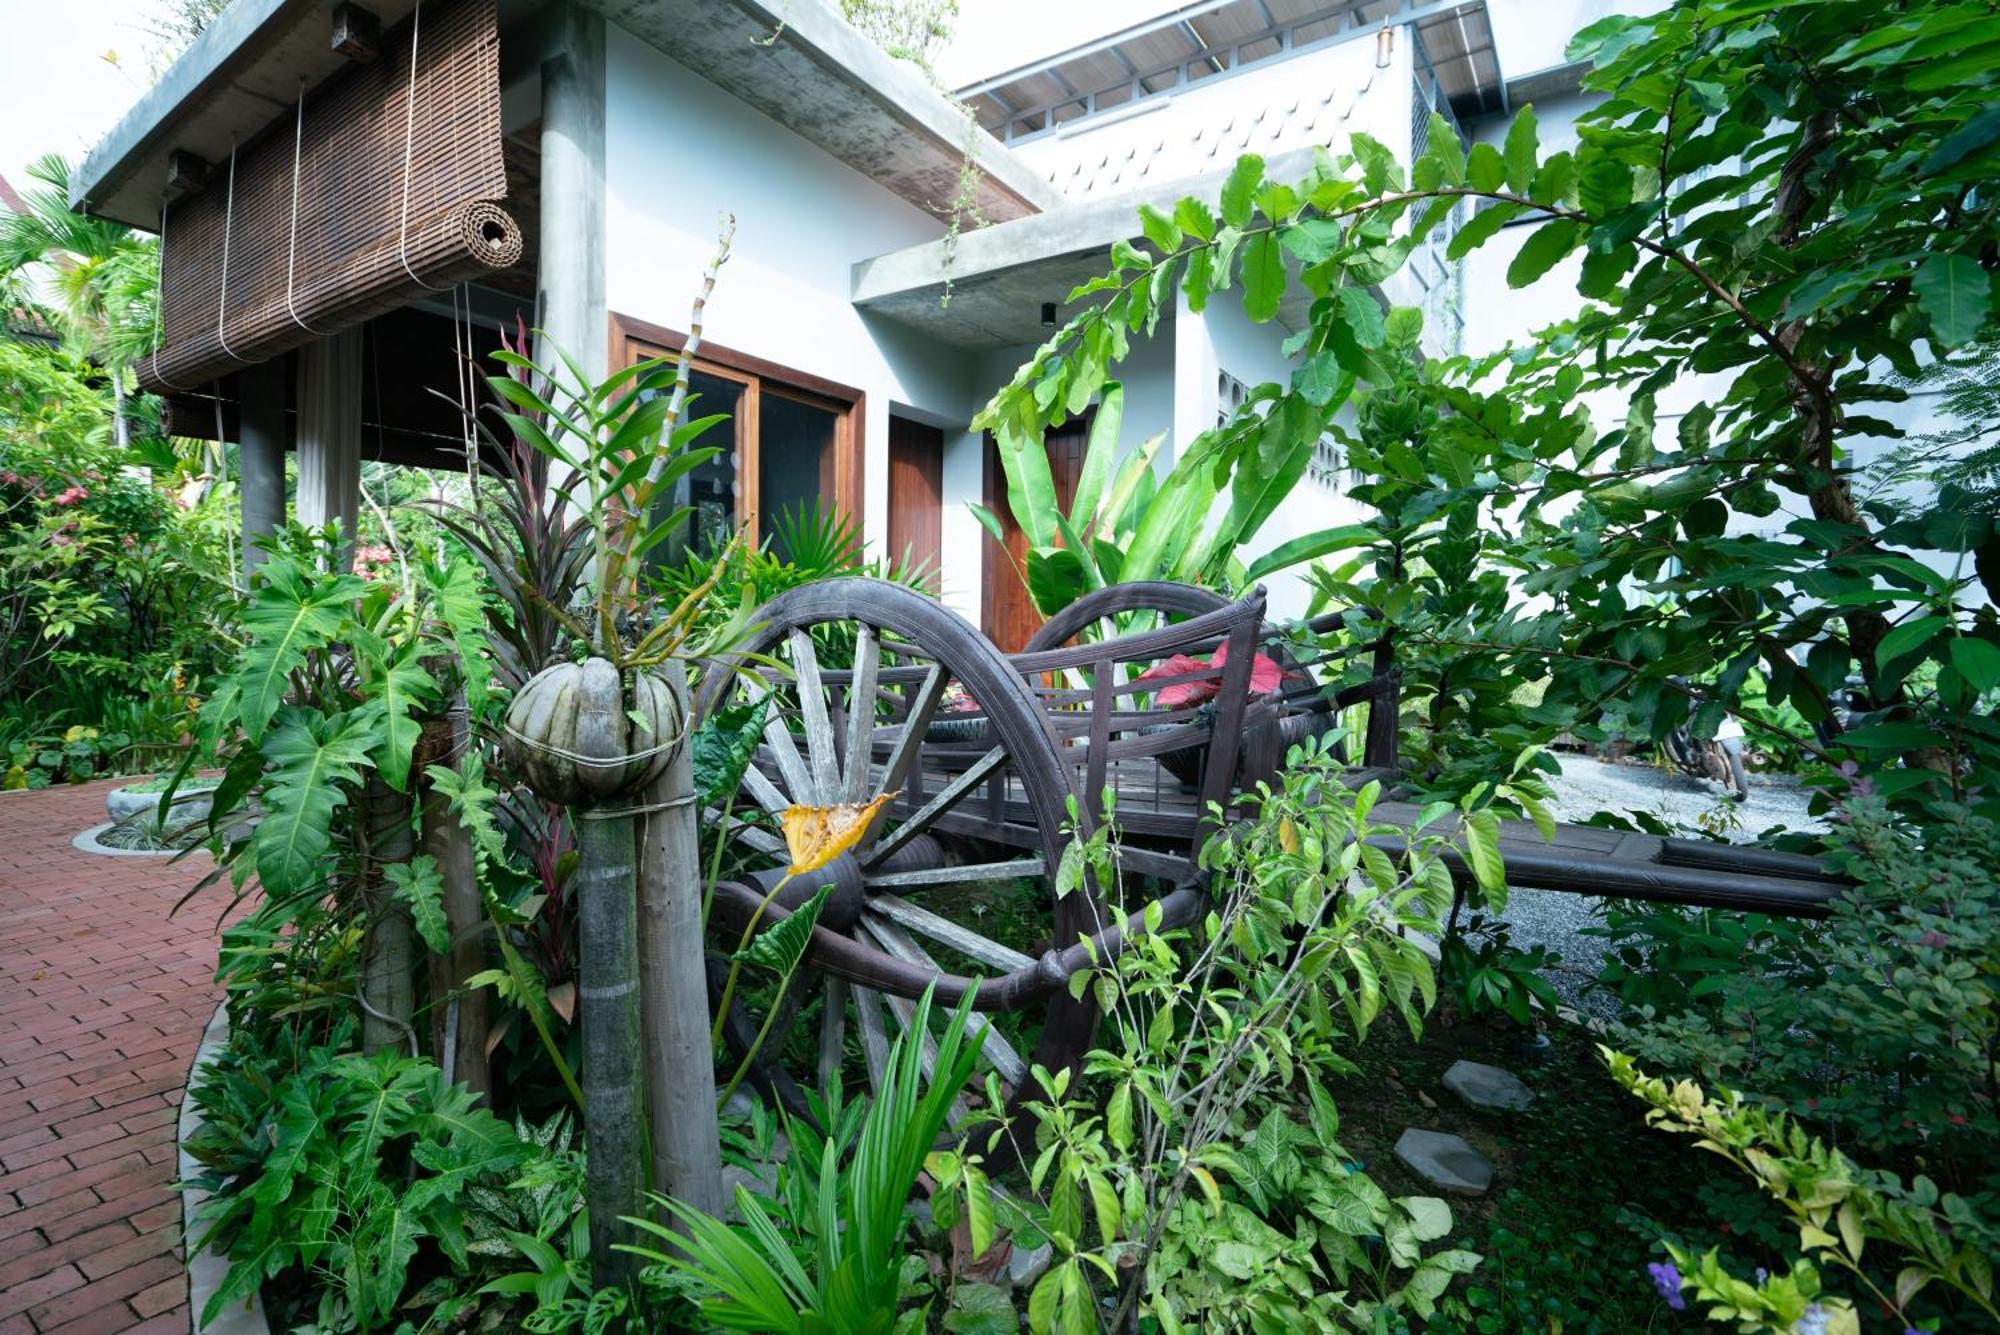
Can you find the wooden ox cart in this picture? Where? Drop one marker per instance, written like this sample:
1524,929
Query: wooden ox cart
997,760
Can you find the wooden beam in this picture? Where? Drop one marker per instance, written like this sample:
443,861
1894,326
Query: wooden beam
357,33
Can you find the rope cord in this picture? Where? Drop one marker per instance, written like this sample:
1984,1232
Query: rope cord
618,813
595,762
160,298
292,243
409,154
228,226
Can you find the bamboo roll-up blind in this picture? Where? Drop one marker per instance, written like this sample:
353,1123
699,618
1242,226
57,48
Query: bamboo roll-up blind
374,189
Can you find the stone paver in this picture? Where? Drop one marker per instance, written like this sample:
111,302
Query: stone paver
1447,1162
102,1000
1487,1088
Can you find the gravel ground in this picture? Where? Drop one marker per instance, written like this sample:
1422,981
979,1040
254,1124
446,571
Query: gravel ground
1556,919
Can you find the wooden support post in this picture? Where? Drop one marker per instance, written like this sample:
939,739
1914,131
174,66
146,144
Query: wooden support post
570,258
388,946
260,457
330,432
673,987
459,1016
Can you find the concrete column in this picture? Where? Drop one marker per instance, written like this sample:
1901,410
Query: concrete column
330,431
260,456
570,281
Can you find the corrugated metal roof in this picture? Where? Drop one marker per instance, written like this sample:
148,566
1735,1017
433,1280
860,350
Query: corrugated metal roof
1217,37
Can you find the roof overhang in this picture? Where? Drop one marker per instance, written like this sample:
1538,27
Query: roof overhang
998,277
797,61
805,66
242,72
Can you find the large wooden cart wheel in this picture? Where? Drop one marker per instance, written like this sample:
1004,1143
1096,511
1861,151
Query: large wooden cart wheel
866,705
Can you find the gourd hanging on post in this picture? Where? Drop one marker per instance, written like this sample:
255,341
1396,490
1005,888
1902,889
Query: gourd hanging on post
590,737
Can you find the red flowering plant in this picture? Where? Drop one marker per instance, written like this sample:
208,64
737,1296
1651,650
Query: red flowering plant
1185,689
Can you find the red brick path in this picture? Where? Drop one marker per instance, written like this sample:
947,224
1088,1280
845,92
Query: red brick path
102,1001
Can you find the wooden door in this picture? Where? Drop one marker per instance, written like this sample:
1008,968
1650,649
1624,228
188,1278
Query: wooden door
1007,614
916,498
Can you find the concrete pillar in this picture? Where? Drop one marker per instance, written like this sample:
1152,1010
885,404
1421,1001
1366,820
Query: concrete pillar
570,260
330,431
260,456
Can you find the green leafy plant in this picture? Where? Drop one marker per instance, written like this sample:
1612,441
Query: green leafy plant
1839,1209
1878,1028
344,1166
1197,1178
1486,974
836,1263
1769,206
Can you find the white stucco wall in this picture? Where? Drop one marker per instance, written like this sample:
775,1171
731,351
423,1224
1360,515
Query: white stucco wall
678,152
1317,97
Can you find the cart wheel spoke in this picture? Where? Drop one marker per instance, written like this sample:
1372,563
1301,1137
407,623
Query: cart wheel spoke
785,755
832,1031
945,932
948,796
754,836
861,718
1011,870
822,752
874,1039
999,1052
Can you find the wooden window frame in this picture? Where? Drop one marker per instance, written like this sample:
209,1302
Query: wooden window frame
633,340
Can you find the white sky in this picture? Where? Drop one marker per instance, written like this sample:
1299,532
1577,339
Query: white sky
998,35
57,93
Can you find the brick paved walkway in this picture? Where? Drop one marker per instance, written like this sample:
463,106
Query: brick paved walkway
102,1001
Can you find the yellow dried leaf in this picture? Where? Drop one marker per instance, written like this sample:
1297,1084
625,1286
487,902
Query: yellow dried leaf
816,835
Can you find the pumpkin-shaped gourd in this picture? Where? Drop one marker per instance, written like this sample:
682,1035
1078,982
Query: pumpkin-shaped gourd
573,731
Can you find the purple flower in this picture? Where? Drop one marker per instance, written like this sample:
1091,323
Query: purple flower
1814,1321
1667,1280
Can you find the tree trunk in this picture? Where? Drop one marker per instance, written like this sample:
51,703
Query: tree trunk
459,1018
680,1071
388,952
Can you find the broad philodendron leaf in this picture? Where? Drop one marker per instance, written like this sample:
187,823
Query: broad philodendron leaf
293,611
312,760
402,687
419,885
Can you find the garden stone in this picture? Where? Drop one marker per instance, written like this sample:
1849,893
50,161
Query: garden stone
1446,1162
1487,1088
1027,1265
